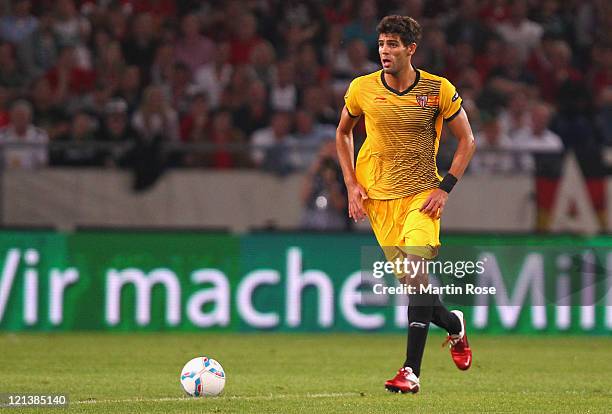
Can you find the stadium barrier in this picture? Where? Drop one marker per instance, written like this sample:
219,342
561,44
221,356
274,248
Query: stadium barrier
237,200
154,281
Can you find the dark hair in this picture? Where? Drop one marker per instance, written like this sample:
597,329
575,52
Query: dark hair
408,29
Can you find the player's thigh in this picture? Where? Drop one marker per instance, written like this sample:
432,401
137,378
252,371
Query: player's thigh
421,232
386,220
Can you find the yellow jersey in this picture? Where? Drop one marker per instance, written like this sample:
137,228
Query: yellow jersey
398,157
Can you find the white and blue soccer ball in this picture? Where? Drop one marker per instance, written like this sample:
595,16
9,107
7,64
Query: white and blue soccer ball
203,377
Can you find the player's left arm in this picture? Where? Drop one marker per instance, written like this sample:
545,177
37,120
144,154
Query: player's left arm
460,127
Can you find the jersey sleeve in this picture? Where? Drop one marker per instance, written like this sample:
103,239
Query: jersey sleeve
351,99
450,101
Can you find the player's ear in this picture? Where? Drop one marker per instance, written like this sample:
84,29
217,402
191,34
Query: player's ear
412,48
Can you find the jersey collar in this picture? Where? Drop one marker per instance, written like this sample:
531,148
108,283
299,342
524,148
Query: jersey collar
404,92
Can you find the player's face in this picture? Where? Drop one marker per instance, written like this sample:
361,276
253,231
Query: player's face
394,55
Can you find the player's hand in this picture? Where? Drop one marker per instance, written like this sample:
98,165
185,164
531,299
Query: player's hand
434,205
356,195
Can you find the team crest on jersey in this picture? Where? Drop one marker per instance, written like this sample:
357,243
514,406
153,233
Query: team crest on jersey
422,100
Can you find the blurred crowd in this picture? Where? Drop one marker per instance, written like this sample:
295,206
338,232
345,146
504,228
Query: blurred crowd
259,83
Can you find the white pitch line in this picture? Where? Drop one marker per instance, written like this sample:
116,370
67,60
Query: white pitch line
231,397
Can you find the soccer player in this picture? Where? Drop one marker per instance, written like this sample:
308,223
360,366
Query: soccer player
395,181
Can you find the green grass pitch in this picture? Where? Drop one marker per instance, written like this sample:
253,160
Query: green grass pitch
290,373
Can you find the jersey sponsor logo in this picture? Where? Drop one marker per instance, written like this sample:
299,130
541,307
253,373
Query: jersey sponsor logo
455,96
380,99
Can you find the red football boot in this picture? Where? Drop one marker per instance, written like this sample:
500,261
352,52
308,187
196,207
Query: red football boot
459,346
405,381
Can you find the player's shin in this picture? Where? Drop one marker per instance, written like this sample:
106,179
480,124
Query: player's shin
444,318
420,312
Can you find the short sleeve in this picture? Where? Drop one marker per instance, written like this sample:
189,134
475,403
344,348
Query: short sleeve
450,101
351,100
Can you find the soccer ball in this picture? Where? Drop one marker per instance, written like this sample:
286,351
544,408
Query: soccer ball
203,377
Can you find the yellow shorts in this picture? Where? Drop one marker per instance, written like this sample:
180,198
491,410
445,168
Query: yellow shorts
401,228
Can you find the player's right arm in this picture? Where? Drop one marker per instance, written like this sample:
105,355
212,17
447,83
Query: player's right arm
346,156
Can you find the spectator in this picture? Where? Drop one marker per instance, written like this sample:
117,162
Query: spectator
116,19
515,117
196,123
311,135
550,18
316,100
192,48
67,80
538,140
323,193
23,144
163,65
140,46
130,87
459,61
73,30
493,156
305,18
79,149
95,102
352,63
490,58
38,52
180,87
155,118
536,137
364,26
71,27
510,74
244,40
273,147
263,59
99,39
559,72
255,113
539,60
20,24
334,45
242,77
110,65
11,76
434,53
308,70
284,93
357,59
226,139
467,28
116,129
215,76
116,126
519,31
48,114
